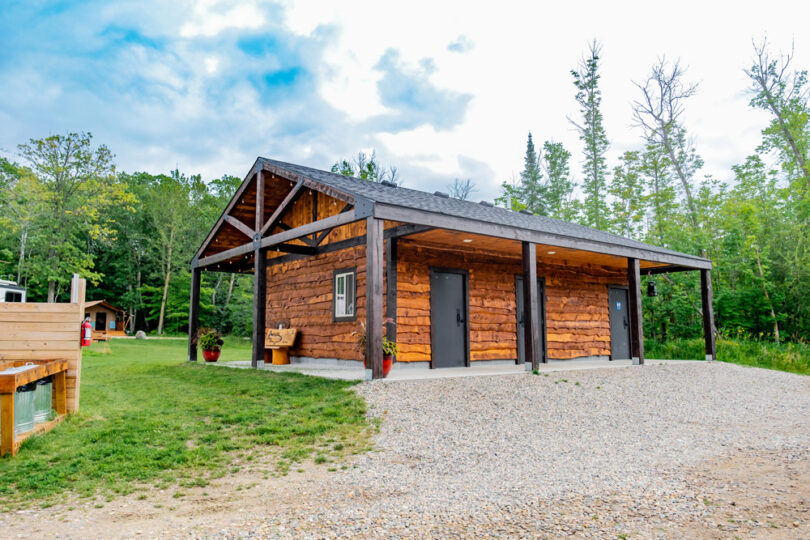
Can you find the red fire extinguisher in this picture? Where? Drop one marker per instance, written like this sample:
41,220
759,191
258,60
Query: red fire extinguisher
87,333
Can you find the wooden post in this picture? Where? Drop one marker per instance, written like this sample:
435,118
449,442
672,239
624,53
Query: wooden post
531,317
374,279
60,392
194,311
259,278
391,288
707,296
636,319
6,424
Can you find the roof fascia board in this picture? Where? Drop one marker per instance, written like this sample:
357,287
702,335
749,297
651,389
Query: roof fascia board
435,219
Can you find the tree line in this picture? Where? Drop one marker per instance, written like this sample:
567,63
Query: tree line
64,209
753,224
67,210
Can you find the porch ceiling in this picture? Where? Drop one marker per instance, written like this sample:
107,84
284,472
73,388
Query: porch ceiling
244,210
447,239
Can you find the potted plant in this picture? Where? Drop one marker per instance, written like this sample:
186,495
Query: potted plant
210,341
390,348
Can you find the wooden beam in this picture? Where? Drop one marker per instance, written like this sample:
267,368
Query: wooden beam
287,201
6,424
282,237
194,313
455,223
241,227
259,280
636,319
391,288
707,297
406,230
666,269
231,205
374,286
308,182
295,248
531,315
318,239
259,306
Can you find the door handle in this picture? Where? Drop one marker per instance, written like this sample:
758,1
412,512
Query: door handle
459,320
625,323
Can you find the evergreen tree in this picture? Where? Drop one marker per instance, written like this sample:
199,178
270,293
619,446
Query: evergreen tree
559,187
532,190
592,134
628,196
660,198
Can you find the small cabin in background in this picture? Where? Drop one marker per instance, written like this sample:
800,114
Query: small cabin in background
106,319
11,292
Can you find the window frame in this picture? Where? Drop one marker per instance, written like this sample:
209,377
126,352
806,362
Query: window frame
335,275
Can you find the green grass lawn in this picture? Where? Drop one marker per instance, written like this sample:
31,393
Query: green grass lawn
792,357
147,417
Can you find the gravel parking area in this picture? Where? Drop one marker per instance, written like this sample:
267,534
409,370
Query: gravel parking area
693,450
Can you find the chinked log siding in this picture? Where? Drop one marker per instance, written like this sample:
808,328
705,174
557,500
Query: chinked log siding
576,304
299,295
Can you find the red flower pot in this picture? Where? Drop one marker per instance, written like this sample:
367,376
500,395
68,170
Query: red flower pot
388,361
211,356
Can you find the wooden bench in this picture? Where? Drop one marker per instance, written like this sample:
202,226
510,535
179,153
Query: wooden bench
279,341
9,442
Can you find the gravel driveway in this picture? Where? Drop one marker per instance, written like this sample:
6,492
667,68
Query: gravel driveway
490,449
676,450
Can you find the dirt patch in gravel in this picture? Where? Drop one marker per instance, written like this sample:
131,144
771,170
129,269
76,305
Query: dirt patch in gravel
712,451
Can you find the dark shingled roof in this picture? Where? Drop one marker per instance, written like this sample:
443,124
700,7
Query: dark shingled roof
420,200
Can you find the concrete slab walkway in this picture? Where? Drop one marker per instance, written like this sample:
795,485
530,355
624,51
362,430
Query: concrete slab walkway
410,373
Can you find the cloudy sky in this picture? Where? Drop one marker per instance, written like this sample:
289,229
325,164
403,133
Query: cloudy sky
440,89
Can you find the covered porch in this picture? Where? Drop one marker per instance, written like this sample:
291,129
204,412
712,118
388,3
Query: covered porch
294,227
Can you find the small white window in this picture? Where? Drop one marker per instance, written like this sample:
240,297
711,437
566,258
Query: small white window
344,295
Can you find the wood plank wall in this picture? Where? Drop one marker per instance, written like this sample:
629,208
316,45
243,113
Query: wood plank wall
299,295
576,304
30,331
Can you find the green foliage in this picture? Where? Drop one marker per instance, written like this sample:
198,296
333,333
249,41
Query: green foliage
560,188
209,340
531,188
150,419
626,187
592,133
69,190
390,347
737,349
366,167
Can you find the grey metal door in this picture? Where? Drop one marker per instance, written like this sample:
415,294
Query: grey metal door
448,319
619,324
520,311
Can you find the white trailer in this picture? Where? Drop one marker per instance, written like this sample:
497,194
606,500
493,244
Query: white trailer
11,292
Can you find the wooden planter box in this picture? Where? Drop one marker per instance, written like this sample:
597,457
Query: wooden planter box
9,442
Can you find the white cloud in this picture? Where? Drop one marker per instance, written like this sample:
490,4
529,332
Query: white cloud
198,102
208,21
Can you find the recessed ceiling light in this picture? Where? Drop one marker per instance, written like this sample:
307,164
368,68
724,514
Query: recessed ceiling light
552,252
467,240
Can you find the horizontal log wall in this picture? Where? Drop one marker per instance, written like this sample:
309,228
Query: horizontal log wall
30,331
299,295
576,309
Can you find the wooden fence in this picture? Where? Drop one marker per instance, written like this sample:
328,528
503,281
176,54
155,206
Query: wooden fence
31,331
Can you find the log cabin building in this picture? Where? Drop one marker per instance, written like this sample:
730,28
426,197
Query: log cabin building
463,282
